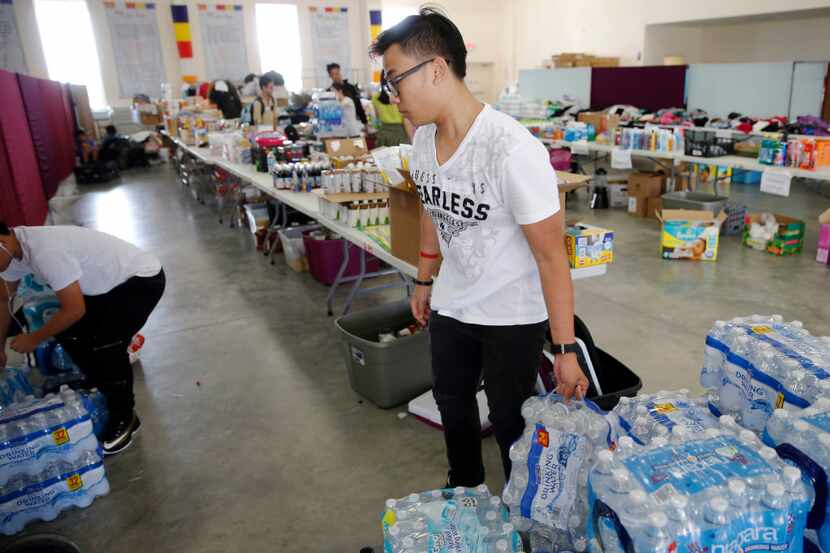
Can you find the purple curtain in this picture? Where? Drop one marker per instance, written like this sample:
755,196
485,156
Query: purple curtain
651,87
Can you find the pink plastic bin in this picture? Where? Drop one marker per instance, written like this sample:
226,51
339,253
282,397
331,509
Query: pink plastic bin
560,158
325,256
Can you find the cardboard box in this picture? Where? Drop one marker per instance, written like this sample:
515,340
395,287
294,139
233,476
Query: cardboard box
648,184
638,205
688,234
823,255
600,120
605,62
354,147
654,207
788,240
588,245
617,195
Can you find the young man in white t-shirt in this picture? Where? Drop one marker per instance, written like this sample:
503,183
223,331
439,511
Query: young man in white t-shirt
107,289
491,211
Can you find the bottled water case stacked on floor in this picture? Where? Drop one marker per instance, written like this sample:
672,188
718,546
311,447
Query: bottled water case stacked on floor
547,489
456,520
50,459
806,434
754,364
721,492
653,418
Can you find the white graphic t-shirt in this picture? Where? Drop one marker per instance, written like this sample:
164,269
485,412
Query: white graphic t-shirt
499,178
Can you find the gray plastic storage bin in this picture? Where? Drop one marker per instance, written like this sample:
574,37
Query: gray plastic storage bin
388,373
699,201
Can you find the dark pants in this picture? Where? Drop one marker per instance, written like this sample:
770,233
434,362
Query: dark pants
508,359
98,342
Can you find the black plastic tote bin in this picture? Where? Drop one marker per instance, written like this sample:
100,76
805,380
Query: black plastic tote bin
388,373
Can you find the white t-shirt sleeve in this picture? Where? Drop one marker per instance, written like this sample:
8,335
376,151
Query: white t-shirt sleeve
58,269
14,272
530,183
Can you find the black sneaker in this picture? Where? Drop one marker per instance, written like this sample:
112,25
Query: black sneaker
120,436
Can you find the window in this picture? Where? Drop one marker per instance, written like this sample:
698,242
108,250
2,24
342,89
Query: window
69,46
278,34
393,16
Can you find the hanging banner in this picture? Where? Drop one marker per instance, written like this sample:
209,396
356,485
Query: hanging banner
330,42
223,39
136,46
11,50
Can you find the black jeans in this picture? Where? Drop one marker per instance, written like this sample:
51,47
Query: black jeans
98,342
508,358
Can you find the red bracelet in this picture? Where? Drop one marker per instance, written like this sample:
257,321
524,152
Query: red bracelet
426,255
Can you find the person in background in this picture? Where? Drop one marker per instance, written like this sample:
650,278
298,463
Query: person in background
350,121
490,210
250,86
280,93
86,148
349,89
110,136
107,289
391,131
225,96
264,108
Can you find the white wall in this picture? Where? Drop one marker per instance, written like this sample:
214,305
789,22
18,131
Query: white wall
615,28
794,37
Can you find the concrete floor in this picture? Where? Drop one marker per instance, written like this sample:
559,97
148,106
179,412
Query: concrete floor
252,438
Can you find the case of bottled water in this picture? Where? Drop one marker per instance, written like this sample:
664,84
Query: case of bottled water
719,491
15,385
647,417
755,364
547,489
49,459
807,433
455,520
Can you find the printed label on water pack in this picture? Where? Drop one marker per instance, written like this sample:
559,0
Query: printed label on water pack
680,413
61,436
553,463
696,466
74,482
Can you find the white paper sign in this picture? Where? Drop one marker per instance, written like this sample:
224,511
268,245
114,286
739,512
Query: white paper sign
330,42
136,47
776,182
620,159
579,148
223,36
11,50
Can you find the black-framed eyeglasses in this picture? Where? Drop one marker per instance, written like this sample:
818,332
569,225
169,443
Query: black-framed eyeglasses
391,85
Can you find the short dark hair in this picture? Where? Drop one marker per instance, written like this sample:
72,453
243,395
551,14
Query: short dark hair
264,81
331,66
79,132
276,78
428,34
249,77
4,229
111,129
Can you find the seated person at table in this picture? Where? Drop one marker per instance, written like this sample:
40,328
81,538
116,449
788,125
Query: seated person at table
86,148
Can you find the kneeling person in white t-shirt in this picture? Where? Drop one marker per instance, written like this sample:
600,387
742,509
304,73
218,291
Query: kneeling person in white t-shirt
491,211
107,289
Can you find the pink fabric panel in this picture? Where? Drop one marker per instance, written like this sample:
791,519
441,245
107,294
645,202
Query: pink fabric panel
24,175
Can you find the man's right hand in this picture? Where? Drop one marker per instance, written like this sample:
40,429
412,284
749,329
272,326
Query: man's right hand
419,302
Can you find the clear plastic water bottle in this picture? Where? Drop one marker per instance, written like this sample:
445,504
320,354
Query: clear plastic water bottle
779,424
714,358
738,498
656,536
716,511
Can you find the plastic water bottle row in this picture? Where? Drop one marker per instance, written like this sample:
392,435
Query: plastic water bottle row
456,520
651,417
721,490
15,385
61,484
754,364
808,431
547,490
37,433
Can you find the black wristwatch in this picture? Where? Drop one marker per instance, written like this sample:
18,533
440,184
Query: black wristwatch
573,347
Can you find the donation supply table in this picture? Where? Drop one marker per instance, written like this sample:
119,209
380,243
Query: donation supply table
308,204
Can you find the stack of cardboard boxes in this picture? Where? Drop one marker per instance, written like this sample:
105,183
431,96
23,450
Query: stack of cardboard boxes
644,193
580,59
